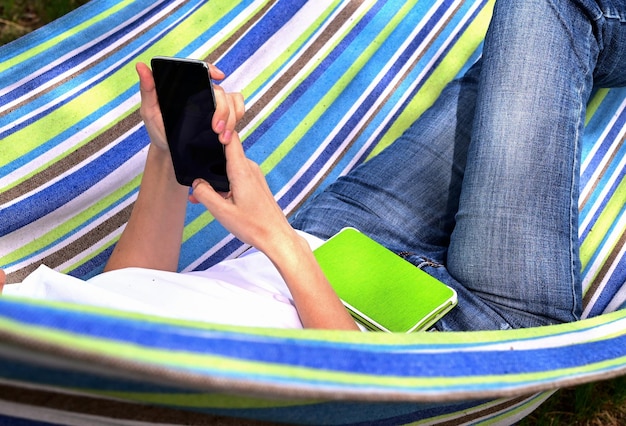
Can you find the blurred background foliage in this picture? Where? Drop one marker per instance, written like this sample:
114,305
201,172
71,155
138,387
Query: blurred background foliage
18,17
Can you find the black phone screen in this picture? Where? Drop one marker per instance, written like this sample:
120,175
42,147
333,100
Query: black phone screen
187,105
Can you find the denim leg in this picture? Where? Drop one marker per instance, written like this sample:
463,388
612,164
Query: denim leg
407,195
509,243
516,242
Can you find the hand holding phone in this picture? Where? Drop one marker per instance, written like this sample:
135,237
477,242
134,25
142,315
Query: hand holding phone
187,104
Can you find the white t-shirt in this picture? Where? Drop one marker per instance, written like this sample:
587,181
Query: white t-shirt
246,291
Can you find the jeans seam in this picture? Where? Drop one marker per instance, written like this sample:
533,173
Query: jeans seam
425,262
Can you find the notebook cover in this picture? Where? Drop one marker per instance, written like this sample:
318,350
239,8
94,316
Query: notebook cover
380,289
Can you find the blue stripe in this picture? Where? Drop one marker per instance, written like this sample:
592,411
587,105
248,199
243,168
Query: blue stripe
96,218
121,57
601,119
357,359
311,138
275,18
60,193
221,254
93,266
56,27
56,140
602,185
132,16
294,108
611,137
214,29
616,281
603,243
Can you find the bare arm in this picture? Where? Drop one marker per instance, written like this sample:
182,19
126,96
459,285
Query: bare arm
252,215
153,235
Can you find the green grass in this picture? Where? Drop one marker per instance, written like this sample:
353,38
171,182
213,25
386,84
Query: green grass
18,17
594,404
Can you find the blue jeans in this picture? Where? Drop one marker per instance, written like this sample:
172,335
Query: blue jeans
481,191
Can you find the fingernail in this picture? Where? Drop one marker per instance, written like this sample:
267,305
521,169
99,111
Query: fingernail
221,125
228,135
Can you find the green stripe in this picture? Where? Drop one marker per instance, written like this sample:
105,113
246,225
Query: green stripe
176,360
288,52
375,341
51,44
594,104
74,222
204,400
447,70
341,84
88,102
603,224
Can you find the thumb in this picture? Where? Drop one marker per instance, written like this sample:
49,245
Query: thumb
205,194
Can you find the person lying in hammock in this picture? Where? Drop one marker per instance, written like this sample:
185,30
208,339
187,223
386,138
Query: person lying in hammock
145,259
481,191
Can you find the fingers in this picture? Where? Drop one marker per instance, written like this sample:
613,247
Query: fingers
146,88
229,110
229,107
216,73
150,111
205,194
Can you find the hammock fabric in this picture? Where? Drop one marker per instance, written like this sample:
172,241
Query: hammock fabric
327,84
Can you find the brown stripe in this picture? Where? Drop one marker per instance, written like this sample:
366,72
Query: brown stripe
491,410
372,116
596,182
232,40
604,271
99,142
323,38
56,169
85,68
80,245
123,411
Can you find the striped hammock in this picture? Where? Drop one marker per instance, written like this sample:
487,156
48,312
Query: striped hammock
328,84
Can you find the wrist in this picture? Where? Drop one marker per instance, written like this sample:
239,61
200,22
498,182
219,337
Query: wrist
287,250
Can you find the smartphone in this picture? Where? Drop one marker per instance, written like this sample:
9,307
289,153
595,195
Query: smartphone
187,103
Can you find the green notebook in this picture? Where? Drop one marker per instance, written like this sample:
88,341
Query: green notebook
381,290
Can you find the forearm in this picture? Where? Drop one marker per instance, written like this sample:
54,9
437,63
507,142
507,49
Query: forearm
317,303
153,235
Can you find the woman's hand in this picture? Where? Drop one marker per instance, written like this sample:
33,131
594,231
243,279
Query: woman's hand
249,210
229,107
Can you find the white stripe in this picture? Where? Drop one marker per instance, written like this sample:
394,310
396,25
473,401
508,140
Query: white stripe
218,246
66,146
606,156
263,58
620,296
38,228
571,337
374,107
607,184
91,59
79,88
441,52
306,69
600,259
89,130
95,247
594,149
